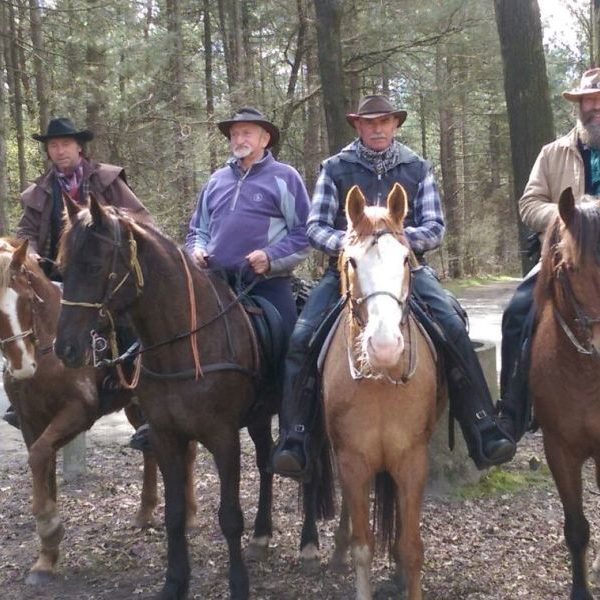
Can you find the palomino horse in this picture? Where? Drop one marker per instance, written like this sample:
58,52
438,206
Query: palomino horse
382,396
565,364
54,404
200,365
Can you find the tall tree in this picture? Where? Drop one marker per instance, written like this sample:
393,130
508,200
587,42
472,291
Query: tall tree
3,129
328,22
39,59
526,90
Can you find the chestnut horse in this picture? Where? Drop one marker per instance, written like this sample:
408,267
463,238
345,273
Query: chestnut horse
200,373
565,364
54,404
381,392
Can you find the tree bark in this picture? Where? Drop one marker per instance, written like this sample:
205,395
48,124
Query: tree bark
39,61
526,89
208,87
12,62
3,129
328,22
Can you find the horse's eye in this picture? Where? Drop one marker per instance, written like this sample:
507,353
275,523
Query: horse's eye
93,269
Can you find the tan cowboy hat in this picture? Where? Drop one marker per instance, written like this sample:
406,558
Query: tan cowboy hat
371,107
249,114
590,84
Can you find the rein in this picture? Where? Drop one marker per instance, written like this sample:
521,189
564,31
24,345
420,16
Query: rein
581,318
356,302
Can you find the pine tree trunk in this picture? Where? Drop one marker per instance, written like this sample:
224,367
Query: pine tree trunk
526,90
41,85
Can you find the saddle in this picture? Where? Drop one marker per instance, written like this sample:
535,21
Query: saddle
268,327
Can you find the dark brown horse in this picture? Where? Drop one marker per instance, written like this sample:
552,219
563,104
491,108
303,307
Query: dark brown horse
54,404
200,366
382,395
565,364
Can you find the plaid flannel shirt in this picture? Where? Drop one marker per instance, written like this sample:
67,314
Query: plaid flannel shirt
426,231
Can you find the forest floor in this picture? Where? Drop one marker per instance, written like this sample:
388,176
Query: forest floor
500,541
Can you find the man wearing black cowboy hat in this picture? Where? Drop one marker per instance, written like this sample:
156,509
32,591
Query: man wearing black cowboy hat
70,173
375,161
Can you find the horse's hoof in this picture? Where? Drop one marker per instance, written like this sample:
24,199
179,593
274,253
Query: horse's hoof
39,578
310,566
338,564
145,523
387,590
256,553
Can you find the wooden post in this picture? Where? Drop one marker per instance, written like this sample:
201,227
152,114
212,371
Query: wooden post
74,458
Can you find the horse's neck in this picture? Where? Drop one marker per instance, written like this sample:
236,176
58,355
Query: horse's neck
165,307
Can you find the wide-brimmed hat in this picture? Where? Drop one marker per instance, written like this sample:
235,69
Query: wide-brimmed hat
64,127
590,84
249,114
371,107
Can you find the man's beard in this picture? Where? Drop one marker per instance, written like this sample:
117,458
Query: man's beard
242,151
589,133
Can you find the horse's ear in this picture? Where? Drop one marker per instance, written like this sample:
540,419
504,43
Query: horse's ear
566,206
397,204
97,211
72,207
19,255
355,205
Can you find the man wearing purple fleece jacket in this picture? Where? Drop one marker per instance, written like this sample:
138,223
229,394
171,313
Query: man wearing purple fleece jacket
252,213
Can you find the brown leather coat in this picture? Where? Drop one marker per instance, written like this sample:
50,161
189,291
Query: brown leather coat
106,182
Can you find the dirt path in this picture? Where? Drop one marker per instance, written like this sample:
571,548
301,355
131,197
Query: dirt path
503,546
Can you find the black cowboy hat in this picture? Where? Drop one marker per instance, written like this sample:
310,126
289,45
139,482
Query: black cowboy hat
371,107
64,127
248,114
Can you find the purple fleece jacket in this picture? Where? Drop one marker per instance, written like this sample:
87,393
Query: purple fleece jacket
264,208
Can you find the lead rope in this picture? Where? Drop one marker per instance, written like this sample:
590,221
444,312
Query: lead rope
193,319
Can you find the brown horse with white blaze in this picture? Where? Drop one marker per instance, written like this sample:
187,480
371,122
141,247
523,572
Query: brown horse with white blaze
54,404
565,364
382,395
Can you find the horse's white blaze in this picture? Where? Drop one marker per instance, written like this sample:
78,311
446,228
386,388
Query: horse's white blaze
381,269
8,306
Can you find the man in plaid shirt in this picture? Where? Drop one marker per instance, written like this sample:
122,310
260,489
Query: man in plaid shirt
375,161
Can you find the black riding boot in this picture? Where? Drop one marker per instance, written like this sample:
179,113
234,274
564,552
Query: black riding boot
11,417
470,398
518,323
299,406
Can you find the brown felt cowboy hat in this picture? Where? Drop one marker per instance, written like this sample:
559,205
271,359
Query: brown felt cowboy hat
371,107
590,84
64,127
249,114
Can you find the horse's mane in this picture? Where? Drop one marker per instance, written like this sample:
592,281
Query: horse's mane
576,244
374,218
74,231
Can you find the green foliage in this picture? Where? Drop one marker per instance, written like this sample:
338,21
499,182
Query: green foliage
498,481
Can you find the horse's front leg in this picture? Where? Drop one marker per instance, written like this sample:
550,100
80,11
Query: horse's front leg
263,523
225,447
171,451
410,475
50,529
566,470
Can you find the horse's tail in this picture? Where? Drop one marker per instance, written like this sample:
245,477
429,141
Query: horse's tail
384,521
325,492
